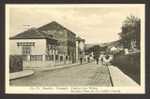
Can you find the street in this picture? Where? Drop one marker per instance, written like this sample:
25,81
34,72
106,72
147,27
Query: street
89,74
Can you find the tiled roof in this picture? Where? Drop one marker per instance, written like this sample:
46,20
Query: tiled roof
45,31
32,34
54,26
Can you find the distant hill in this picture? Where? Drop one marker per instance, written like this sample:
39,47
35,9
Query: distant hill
113,43
87,46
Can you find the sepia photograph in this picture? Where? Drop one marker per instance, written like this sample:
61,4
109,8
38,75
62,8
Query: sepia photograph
75,48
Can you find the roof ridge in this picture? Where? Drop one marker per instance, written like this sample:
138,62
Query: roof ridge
32,33
56,24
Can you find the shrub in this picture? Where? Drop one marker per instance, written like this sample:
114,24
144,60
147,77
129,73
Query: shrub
16,63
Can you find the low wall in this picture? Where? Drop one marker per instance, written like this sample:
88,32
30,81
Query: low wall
40,64
129,64
36,64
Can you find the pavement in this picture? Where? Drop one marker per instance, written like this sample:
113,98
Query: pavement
89,74
30,71
21,74
117,77
120,79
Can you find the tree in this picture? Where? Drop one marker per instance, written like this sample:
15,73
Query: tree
130,31
96,51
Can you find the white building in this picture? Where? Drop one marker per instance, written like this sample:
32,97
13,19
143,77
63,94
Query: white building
35,47
80,48
48,45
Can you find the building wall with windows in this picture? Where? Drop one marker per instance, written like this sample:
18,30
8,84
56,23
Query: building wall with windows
71,47
51,43
35,52
66,40
27,46
66,48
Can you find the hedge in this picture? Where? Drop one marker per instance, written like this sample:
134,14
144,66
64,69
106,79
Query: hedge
129,64
15,64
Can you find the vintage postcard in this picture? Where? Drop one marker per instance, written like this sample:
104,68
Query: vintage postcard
75,48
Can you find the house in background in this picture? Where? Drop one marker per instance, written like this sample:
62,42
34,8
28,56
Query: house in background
48,45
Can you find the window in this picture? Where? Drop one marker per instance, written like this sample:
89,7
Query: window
26,50
49,57
66,57
61,58
56,57
25,44
36,57
52,57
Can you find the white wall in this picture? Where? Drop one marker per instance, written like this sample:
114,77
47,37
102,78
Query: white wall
81,45
38,49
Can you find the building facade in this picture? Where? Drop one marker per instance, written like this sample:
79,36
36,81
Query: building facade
34,46
51,43
66,40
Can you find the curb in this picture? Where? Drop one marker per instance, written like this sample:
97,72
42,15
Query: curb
54,67
110,77
21,74
60,67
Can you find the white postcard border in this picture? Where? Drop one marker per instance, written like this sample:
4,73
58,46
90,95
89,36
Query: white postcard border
79,89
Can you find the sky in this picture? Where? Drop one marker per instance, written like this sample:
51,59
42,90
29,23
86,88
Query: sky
95,23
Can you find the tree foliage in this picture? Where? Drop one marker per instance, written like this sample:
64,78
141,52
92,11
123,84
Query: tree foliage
96,49
130,31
